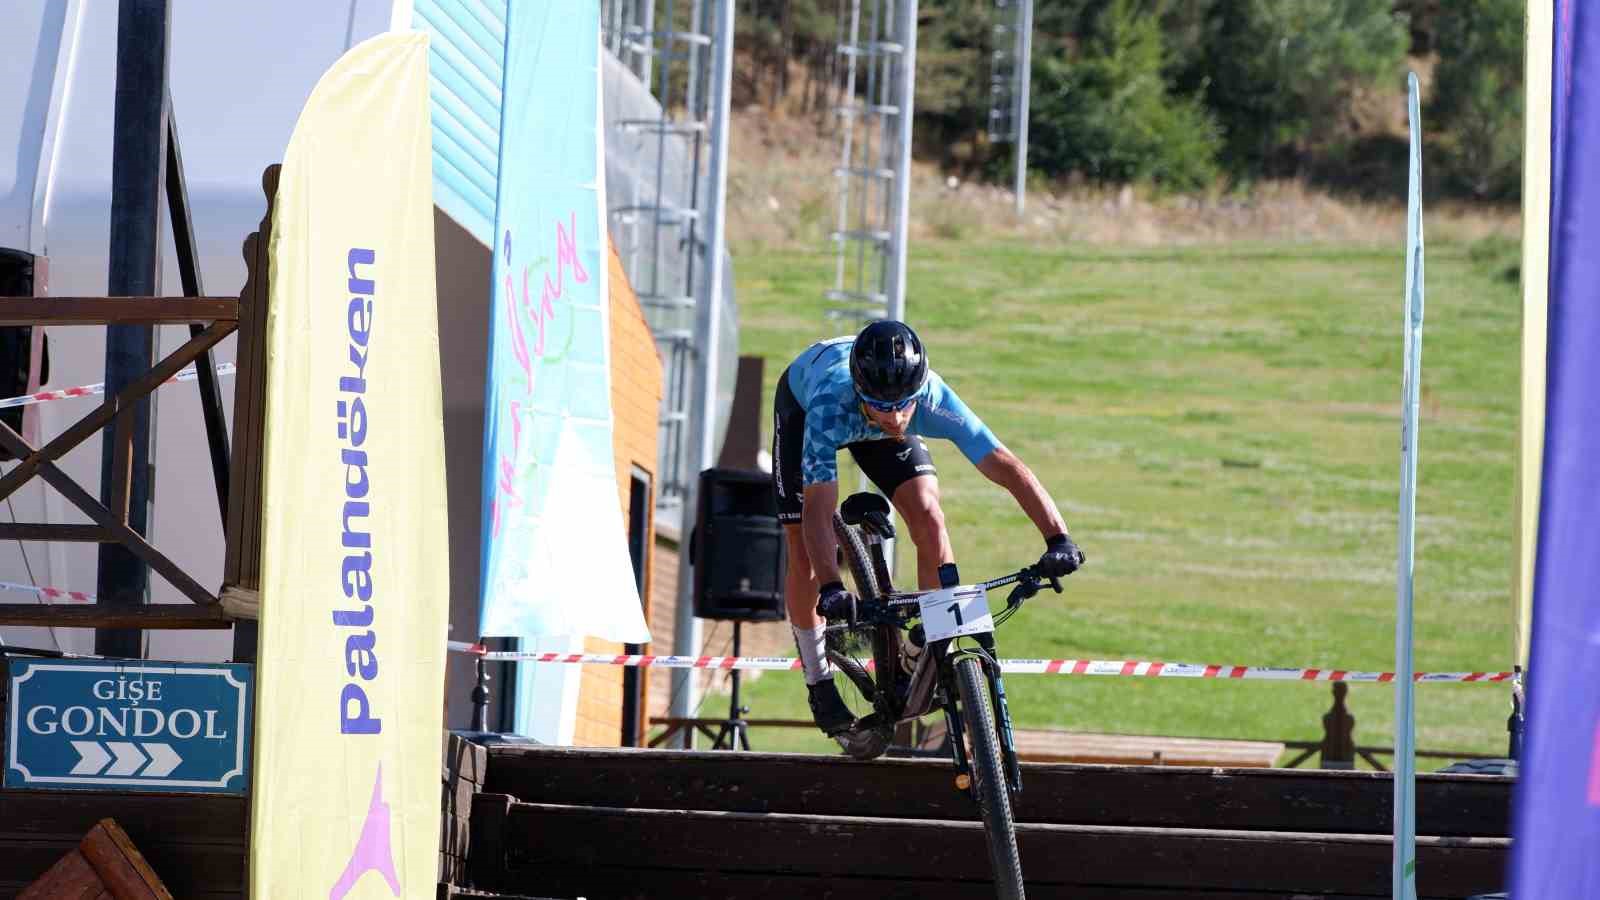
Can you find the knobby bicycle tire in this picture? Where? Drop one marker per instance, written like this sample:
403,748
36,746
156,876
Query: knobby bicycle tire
866,585
857,673
857,560
989,783
872,742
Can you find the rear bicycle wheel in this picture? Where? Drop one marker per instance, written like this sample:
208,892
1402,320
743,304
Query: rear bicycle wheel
844,644
872,734
856,560
988,778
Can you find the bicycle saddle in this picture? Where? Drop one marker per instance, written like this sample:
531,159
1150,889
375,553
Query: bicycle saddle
869,511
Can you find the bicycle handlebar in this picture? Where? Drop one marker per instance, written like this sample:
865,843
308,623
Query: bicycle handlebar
1028,576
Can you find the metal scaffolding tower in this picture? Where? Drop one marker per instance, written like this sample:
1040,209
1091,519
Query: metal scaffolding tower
665,244
672,240
878,44
1010,63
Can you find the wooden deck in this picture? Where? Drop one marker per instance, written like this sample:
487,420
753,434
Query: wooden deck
1143,750
631,823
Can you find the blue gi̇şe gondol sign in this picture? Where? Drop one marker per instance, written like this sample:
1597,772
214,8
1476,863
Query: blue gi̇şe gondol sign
144,726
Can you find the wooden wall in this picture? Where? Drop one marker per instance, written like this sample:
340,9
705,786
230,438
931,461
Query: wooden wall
635,406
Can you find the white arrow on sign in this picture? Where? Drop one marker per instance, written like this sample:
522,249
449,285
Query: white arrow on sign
129,759
91,758
163,759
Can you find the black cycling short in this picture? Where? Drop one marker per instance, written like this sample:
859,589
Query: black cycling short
888,462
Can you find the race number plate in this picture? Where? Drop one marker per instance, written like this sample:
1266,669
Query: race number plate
956,611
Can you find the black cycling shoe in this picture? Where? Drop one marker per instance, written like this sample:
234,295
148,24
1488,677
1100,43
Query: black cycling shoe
828,709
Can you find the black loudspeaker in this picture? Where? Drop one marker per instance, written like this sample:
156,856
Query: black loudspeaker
738,549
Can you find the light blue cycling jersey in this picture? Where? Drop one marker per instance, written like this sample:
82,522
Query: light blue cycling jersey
820,380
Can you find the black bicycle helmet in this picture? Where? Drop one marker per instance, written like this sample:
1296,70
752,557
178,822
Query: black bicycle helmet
887,362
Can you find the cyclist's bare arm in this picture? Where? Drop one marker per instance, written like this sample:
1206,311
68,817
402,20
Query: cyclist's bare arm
1002,467
816,526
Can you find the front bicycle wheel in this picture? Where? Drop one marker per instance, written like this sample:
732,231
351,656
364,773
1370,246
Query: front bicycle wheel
988,777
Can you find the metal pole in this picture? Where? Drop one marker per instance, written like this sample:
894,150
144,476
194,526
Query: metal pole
907,27
1405,763
139,133
647,24
708,320
1024,70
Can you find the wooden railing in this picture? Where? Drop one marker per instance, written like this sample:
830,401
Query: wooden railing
217,317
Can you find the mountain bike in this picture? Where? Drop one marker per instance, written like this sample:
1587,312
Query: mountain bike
932,649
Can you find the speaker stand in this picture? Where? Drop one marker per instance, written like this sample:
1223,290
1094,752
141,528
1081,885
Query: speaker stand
735,731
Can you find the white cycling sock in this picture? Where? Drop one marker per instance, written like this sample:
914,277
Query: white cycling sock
813,653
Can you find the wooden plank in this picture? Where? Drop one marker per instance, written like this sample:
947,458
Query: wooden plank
188,252
126,873
457,799
454,835
196,842
50,531
138,389
193,818
97,615
1041,745
464,759
541,836
117,310
122,465
126,536
71,878
242,564
1269,799
486,865
194,872
681,722
243,457
200,878
618,883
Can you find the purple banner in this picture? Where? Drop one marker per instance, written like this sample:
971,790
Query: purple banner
1558,797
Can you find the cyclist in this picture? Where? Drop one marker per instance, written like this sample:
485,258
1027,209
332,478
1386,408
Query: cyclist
874,395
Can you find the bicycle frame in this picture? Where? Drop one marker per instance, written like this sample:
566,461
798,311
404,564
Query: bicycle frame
891,615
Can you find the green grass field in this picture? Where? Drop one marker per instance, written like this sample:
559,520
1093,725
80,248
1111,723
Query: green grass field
1220,427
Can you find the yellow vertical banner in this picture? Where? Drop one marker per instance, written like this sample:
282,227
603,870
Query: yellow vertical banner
354,586
1535,313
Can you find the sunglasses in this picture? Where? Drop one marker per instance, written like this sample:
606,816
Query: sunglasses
887,407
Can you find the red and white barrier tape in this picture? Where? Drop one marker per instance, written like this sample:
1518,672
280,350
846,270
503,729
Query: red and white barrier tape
48,593
1136,669
90,390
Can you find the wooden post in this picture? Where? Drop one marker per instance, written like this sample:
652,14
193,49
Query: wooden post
241,567
1338,732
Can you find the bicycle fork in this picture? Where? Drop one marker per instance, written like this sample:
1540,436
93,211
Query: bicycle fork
1002,714
1008,749
956,725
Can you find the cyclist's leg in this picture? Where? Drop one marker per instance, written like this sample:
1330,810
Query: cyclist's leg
917,501
904,472
828,709
799,587
788,433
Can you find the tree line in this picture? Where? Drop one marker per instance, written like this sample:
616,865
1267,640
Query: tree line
1189,94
